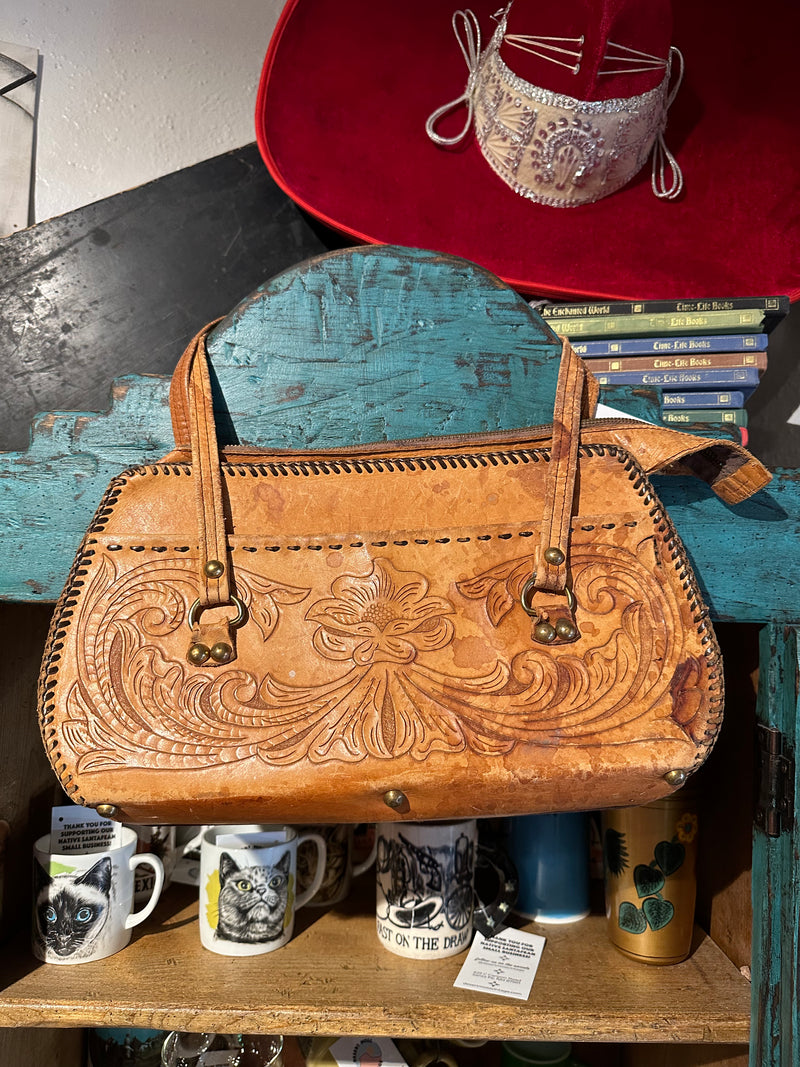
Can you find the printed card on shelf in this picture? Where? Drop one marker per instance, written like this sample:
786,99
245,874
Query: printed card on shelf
504,965
367,1050
78,829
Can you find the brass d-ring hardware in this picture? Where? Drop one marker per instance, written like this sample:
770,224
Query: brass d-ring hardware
530,588
234,622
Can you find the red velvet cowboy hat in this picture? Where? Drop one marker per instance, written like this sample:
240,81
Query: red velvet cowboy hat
347,89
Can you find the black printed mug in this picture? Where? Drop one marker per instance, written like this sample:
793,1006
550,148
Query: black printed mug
340,864
425,881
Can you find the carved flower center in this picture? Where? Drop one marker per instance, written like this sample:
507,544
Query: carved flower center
380,613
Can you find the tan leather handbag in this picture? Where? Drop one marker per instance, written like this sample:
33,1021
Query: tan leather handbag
491,624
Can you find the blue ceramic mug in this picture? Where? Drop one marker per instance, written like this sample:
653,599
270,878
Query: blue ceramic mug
551,854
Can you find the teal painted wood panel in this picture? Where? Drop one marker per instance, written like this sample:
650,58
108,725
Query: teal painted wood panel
371,344
776,873
361,345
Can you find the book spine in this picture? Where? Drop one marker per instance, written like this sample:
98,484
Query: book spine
635,346
772,305
663,323
733,399
735,417
712,361
744,378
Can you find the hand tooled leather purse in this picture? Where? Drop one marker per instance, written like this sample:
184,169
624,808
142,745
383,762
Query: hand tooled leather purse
425,629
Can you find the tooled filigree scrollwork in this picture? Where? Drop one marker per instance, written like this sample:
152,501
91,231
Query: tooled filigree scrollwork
384,672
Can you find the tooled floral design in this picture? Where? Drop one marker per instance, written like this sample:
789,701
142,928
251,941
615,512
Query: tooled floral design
264,597
136,701
383,616
610,581
687,689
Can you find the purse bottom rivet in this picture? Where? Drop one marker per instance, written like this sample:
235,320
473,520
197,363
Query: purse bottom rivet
108,811
396,799
675,778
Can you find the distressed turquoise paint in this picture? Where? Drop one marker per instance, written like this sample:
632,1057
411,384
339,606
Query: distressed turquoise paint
745,557
776,874
371,344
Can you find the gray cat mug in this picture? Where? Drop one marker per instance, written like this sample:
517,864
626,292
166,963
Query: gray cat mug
83,901
248,887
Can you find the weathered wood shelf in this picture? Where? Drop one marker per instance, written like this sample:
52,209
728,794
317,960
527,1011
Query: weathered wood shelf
334,977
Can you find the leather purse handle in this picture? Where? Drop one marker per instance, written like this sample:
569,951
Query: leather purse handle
192,411
179,390
576,398
193,425
731,471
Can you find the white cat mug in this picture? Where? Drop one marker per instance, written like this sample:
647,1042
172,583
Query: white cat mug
248,887
83,901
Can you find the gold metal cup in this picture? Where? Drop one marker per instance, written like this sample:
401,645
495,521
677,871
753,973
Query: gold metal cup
649,859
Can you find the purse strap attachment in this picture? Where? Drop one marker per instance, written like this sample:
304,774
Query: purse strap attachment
212,641
569,407
546,597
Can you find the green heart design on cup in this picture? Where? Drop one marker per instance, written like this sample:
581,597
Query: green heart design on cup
648,880
658,912
669,856
631,918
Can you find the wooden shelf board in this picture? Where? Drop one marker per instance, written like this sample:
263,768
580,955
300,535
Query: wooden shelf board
335,978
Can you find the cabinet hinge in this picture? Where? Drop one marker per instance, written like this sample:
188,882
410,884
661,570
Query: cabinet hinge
774,812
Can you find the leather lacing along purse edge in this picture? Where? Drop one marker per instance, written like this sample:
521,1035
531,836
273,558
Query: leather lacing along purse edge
488,624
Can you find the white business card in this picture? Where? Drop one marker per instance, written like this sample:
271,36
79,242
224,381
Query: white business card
504,965
79,829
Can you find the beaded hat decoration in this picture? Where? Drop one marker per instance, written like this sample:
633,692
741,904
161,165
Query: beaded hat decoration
556,148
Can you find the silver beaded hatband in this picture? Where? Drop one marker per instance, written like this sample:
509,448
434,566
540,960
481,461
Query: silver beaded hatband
555,149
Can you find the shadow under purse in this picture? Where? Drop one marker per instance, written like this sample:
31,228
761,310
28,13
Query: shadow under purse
491,624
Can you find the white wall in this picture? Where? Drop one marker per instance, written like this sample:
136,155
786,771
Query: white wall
134,89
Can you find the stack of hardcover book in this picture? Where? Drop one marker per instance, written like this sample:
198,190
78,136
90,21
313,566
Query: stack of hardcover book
705,356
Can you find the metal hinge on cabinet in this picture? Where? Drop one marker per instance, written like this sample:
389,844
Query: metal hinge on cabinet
775,778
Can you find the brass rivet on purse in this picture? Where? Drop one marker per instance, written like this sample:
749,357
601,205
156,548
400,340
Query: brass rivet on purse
544,633
214,568
675,778
396,798
221,652
198,654
554,555
108,811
